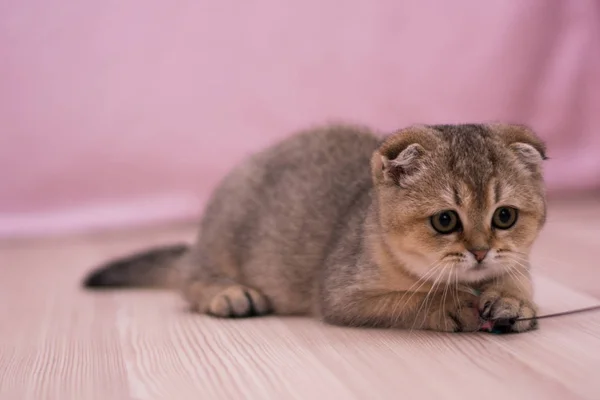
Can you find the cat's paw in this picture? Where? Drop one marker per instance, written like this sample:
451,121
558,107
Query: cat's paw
456,315
505,310
238,301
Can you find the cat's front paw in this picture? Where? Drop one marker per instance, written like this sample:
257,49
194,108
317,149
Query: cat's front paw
457,315
505,310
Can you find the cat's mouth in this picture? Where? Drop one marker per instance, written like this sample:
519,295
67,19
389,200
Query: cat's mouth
479,267
479,271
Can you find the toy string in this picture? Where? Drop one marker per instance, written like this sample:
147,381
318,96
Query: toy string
560,314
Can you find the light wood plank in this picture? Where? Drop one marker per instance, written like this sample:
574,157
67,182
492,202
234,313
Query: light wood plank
55,342
569,246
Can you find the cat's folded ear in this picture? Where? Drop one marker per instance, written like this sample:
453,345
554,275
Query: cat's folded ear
524,142
401,155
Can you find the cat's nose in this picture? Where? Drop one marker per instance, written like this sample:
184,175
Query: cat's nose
479,253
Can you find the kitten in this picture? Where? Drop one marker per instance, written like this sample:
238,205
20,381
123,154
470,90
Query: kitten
356,231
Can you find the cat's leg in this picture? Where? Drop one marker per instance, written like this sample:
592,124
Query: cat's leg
226,299
509,298
212,284
449,312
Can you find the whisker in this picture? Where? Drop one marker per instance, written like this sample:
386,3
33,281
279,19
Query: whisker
444,302
430,289
423,279
426,300
522,280
509,271
522,263
456,300
526,257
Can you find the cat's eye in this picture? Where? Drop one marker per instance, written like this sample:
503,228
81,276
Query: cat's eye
446,222
504,217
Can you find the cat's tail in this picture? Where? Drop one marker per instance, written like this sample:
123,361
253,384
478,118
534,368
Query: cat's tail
153,268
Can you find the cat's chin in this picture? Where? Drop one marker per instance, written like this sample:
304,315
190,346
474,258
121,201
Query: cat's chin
479,273
476,276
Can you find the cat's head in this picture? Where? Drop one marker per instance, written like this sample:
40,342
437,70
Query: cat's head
460,202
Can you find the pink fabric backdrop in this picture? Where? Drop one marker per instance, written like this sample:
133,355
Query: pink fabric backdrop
128,111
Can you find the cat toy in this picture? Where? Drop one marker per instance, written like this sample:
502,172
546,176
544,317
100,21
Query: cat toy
501,326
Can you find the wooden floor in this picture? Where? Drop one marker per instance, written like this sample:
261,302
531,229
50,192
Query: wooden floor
58,342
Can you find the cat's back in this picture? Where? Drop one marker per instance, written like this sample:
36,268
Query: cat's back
330,159
319,149
315,168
